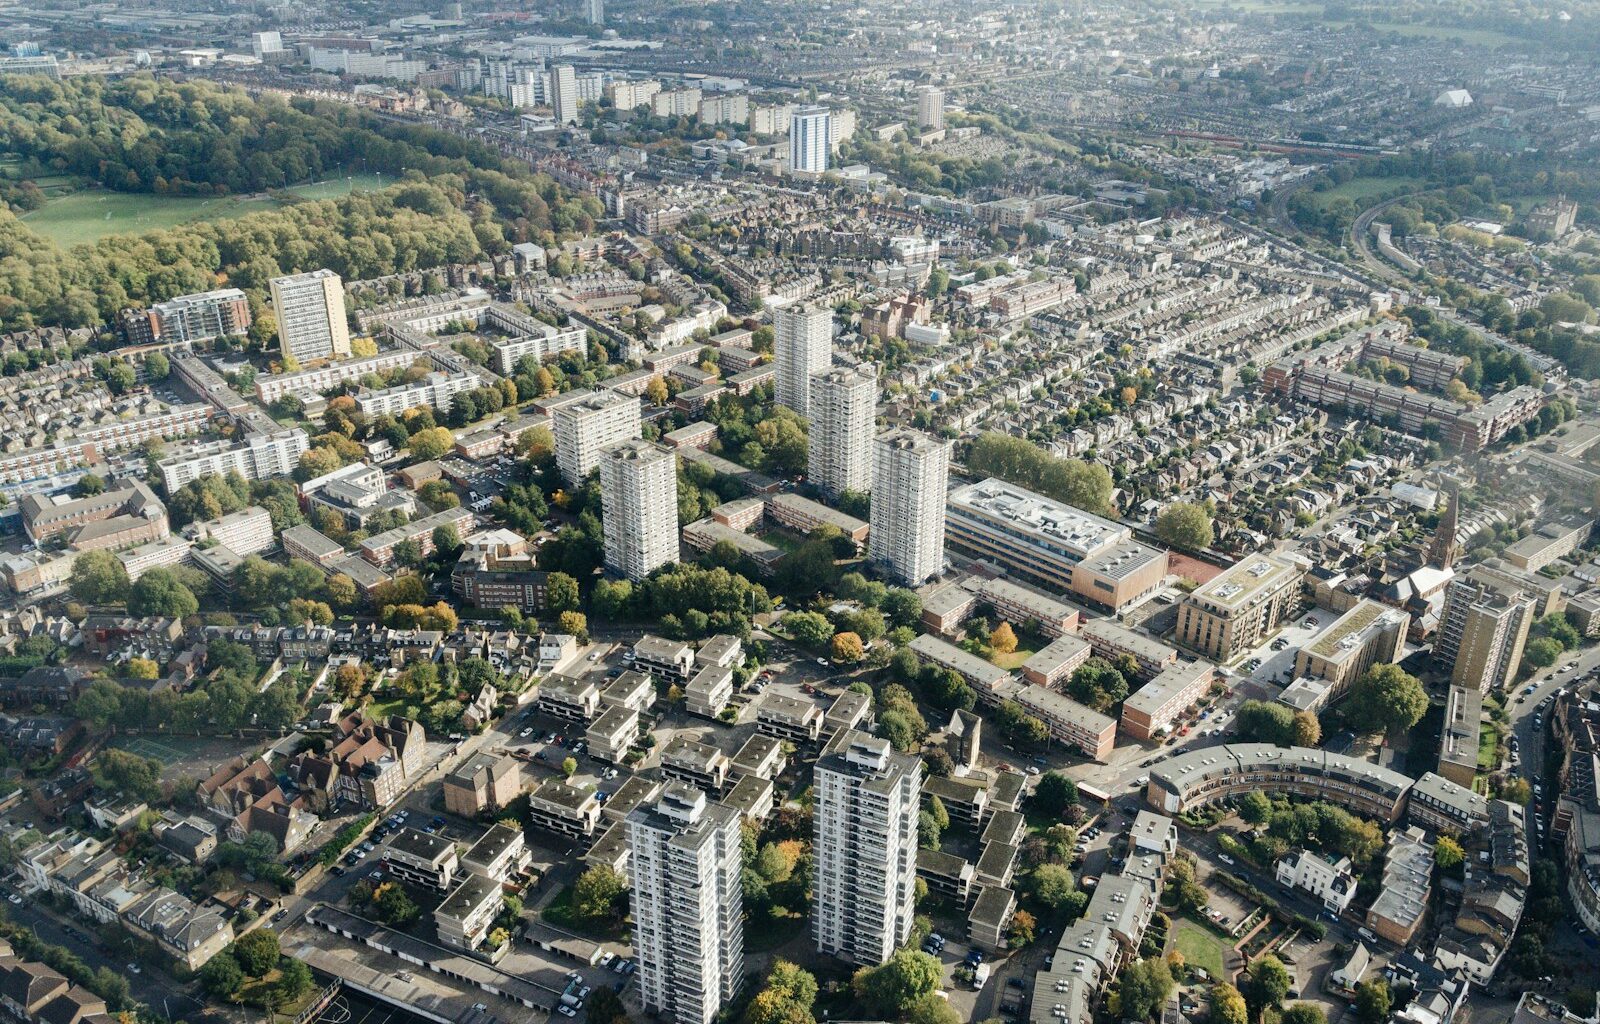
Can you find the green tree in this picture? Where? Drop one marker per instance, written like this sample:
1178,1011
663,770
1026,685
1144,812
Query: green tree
1255,807
899,982
257,951
561,592
293,983
1084,485
1144,987
1304,1013
1050,886
1541,652
809,629
222,977
1053,794
1372,1001
98,577
431,443
569,767
1447,853
599,894
158,592
1386,699
88,485
1269,983
1185,525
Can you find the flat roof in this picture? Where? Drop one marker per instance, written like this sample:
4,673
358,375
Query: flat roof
1253,574
1350,632
1059,705
1076,533
818,511
1056,653
1153,696
951,656
1141,645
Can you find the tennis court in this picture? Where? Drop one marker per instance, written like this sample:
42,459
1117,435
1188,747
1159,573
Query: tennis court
152,749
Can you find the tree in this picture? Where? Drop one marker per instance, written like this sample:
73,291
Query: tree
1386,699
395,907
847,648
895,985
1265,722
120,770
1269,983
141,668
569,767
605,1007
1098,684
598,894
1255,807
88,485
1304,1013
809,629
157,366
446,540
431,443
1516,790
1227,1005
1002,640
1186,526
1307,729
293,982
1085,485
574,624
561,592
930,1009
222,977
341,590
257,951
1054,794
1541,652
1022,930
158,592
1447,853
1372,1001
1050,886
1144,987
928,831
98,577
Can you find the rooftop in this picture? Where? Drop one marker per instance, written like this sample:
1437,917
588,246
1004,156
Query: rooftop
1254,574
1077,533
1350,632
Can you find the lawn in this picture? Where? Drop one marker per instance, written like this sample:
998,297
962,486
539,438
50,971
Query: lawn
1011,662
1488,740
766,932
1200,946
1366,190
88,215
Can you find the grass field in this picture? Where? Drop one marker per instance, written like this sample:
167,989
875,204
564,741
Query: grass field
1445,33
1365,191
89,215
1199,945
1011,662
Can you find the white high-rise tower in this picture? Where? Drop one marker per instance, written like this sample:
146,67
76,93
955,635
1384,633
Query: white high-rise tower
311,317
564,93
864,873
910,475
810,132
843,403
930,108
688,914
596,11
639,505
584,427
802,347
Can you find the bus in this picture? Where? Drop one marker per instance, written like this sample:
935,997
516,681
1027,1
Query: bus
1090,795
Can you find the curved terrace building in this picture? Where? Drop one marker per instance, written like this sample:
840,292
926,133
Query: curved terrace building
1205,776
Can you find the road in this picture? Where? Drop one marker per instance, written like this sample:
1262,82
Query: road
150,985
